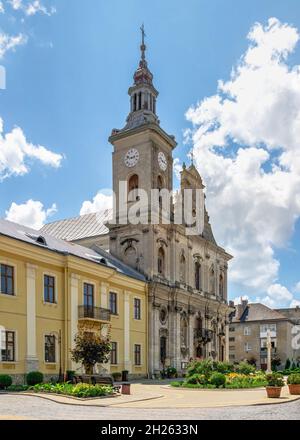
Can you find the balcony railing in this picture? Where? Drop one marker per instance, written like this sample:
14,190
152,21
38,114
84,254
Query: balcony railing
203,335
91,312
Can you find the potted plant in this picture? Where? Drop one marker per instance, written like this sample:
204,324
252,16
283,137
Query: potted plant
275,383
294,383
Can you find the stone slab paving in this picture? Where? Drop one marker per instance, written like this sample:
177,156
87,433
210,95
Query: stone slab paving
195,398
164,396
15,407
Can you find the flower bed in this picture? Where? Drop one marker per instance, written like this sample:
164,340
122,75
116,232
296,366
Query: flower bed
211,375
81,390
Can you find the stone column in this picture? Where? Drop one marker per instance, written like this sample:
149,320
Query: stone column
74,312
31,361
127,348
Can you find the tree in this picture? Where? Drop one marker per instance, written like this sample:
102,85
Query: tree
287,364
90,349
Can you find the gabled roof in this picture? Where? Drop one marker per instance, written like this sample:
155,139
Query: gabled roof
47,241
84,226
258,312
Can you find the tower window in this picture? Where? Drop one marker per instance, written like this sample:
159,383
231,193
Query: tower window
197,275
133,186
161,261
221,287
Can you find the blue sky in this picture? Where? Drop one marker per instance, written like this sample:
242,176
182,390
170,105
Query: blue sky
67,88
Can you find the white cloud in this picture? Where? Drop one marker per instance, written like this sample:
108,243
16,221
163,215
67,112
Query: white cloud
295,303
9,42
246,147
1,8
177,167
32,7
296,288
277,295
102,200
16,151
31,214
239,299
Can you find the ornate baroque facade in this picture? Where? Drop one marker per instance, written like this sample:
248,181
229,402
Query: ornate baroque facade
187,275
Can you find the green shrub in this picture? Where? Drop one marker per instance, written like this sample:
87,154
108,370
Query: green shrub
171,371
245,368
294,379
70,375
17,388
201,367
192,379
117,375
34,378
275,380
177,383
83,390
294,366
5,381
224,367
287,364
218,379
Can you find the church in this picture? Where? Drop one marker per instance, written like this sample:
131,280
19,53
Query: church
186,274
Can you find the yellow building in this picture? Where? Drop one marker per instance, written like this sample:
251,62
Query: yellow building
50,289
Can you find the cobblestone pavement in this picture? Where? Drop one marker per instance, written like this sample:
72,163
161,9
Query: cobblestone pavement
26,407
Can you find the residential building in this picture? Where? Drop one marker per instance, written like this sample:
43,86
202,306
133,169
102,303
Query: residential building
248,330
51,289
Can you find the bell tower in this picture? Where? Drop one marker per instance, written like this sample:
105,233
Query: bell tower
142,158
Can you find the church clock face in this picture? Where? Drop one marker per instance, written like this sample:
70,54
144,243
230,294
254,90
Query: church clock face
131,158
162,161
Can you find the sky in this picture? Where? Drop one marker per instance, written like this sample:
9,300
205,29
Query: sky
229,81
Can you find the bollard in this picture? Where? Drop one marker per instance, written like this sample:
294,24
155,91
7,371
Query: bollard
126,388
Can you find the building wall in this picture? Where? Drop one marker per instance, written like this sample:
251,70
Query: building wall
282,340
31,318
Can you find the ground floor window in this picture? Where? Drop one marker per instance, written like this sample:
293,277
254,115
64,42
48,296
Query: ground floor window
163,349
113,353
8,346
50,355
137,354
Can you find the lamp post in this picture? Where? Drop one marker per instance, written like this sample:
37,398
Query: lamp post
269,348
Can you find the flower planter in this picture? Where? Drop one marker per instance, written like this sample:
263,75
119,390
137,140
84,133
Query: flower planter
273,392
294,389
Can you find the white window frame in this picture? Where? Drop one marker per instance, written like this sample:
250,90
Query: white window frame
2,328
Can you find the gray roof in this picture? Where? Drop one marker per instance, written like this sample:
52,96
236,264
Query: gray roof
47,241
84,226
258,312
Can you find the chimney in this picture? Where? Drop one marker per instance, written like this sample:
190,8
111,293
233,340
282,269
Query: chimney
240,308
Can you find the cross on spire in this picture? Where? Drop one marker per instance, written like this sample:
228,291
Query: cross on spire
143,46
192,157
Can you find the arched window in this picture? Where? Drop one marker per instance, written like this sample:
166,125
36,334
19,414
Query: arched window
133,186
163,349
161,261
160,183
221,287
197,275
182,269
212,287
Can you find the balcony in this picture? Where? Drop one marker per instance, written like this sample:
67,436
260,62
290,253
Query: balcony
203,335
93,313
